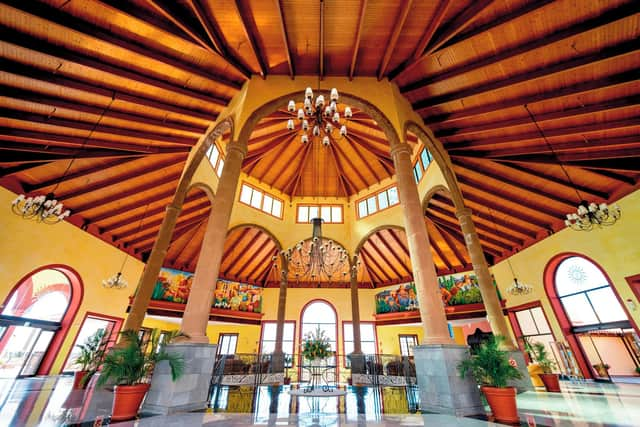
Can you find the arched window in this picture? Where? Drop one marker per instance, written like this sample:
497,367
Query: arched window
35,319
320,314
586,294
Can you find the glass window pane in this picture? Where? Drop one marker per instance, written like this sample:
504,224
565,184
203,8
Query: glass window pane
577,274
277,208
417,171
303,214
213,155
607,305
383,202
579,310
313,212
209,151
325,213
336,214
371,205
245,194
267,203
393,196
220,166
348,331
348,347
256,199
288,331
369,347
541,321
268,347
367,332
526,322
425,157
269,331
362,209
44,296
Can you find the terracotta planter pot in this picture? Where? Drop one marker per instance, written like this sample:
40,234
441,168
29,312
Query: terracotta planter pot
78,377
502,402
287,380
551,382
127,400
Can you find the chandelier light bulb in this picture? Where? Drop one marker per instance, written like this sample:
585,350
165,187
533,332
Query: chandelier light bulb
343,130
300,114
325,141
348,113
305,125
116,281
334,94
320,101
518,288
336,117
291,107
308,93
290,124
304,138
316,130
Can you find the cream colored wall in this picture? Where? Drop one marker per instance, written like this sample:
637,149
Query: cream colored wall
614,248
27,245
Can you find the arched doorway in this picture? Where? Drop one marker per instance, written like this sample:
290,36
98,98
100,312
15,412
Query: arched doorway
319,314
35,319
593,318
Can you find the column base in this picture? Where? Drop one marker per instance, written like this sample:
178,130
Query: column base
189,392
523,384
357,363
441,388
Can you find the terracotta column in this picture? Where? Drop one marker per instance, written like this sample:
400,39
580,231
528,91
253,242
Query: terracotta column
355,305
152,268
278,352
434,320
487,290
196,313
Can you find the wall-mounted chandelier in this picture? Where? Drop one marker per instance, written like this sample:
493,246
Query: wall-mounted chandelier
317,259
115,282
44,209
590,214
318,119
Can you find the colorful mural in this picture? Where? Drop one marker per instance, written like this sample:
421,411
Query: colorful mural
174,286
455,289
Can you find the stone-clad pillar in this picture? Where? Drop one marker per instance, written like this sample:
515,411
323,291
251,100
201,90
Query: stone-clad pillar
357,358
196,314
487,290
434,320
278,352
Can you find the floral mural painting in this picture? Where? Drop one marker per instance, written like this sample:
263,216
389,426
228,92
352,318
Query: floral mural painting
174,286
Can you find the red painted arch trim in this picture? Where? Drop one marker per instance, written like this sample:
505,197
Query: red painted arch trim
561,315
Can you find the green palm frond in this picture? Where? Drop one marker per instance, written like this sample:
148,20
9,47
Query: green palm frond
490,365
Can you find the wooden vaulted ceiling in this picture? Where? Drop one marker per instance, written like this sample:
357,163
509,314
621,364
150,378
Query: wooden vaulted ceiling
112,95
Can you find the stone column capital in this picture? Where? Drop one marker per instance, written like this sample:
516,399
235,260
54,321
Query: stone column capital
238,148
401,149
464,212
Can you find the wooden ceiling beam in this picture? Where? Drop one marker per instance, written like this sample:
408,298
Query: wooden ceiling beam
180,226
608,82
365,162
248,252
384,159
298,172
452,245
267,137
393,40
481,200
284,144
486,245
621,103
430,30
189,234
152,137
214,34
356,44
623,179
617,52
57,16
625,162
39,51
435,246
126,208
285,38
352,167
133,120
400,243
341,178
232,247
261,262
522,49
12,170
131,221
395,255
381,257
249,34
24,152
550,133
448,222
374,263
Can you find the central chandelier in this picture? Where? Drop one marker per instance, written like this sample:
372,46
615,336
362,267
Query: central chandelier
319,118
317,259
590,214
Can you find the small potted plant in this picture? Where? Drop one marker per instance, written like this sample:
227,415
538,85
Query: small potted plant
130,367
638,370
540,354
491,368
602,369
89,359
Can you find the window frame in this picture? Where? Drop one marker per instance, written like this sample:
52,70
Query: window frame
293,340
375,195
319,206
262,197
519,335
219,160
344,341
415,340
221,336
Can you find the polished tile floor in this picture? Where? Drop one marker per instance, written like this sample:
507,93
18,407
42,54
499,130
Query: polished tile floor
49,401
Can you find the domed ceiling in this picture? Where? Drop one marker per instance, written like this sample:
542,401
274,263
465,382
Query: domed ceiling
510,87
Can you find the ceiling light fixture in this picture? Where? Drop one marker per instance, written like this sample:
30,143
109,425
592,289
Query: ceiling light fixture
587,214
48,209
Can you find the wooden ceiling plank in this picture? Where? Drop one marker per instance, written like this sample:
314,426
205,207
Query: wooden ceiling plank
366,163
285,38
107,213
321,47
373,261
393,40
395,255
232,247
417,54
46,153
12,170
261,262
243,14
539,43
452,244
505,211
623,179
608,82
189,234
150,234
609,105
628,163
131,221
352,167
341,178
483,232
616,52
298,174
356,44
381,257
284,144
191,254
248,253
432,239
486,246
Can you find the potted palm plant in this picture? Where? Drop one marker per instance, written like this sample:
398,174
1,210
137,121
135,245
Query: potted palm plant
540,354
491,368
130,368
89,358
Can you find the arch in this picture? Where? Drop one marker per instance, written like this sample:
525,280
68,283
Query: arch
432,192
559,310
76,295
205,188
374,231
273,104
261,228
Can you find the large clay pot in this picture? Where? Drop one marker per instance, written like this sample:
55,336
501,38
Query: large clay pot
127,400
551,382
502,402
534,372
78,380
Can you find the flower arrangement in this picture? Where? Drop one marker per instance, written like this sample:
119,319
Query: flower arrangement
316,345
